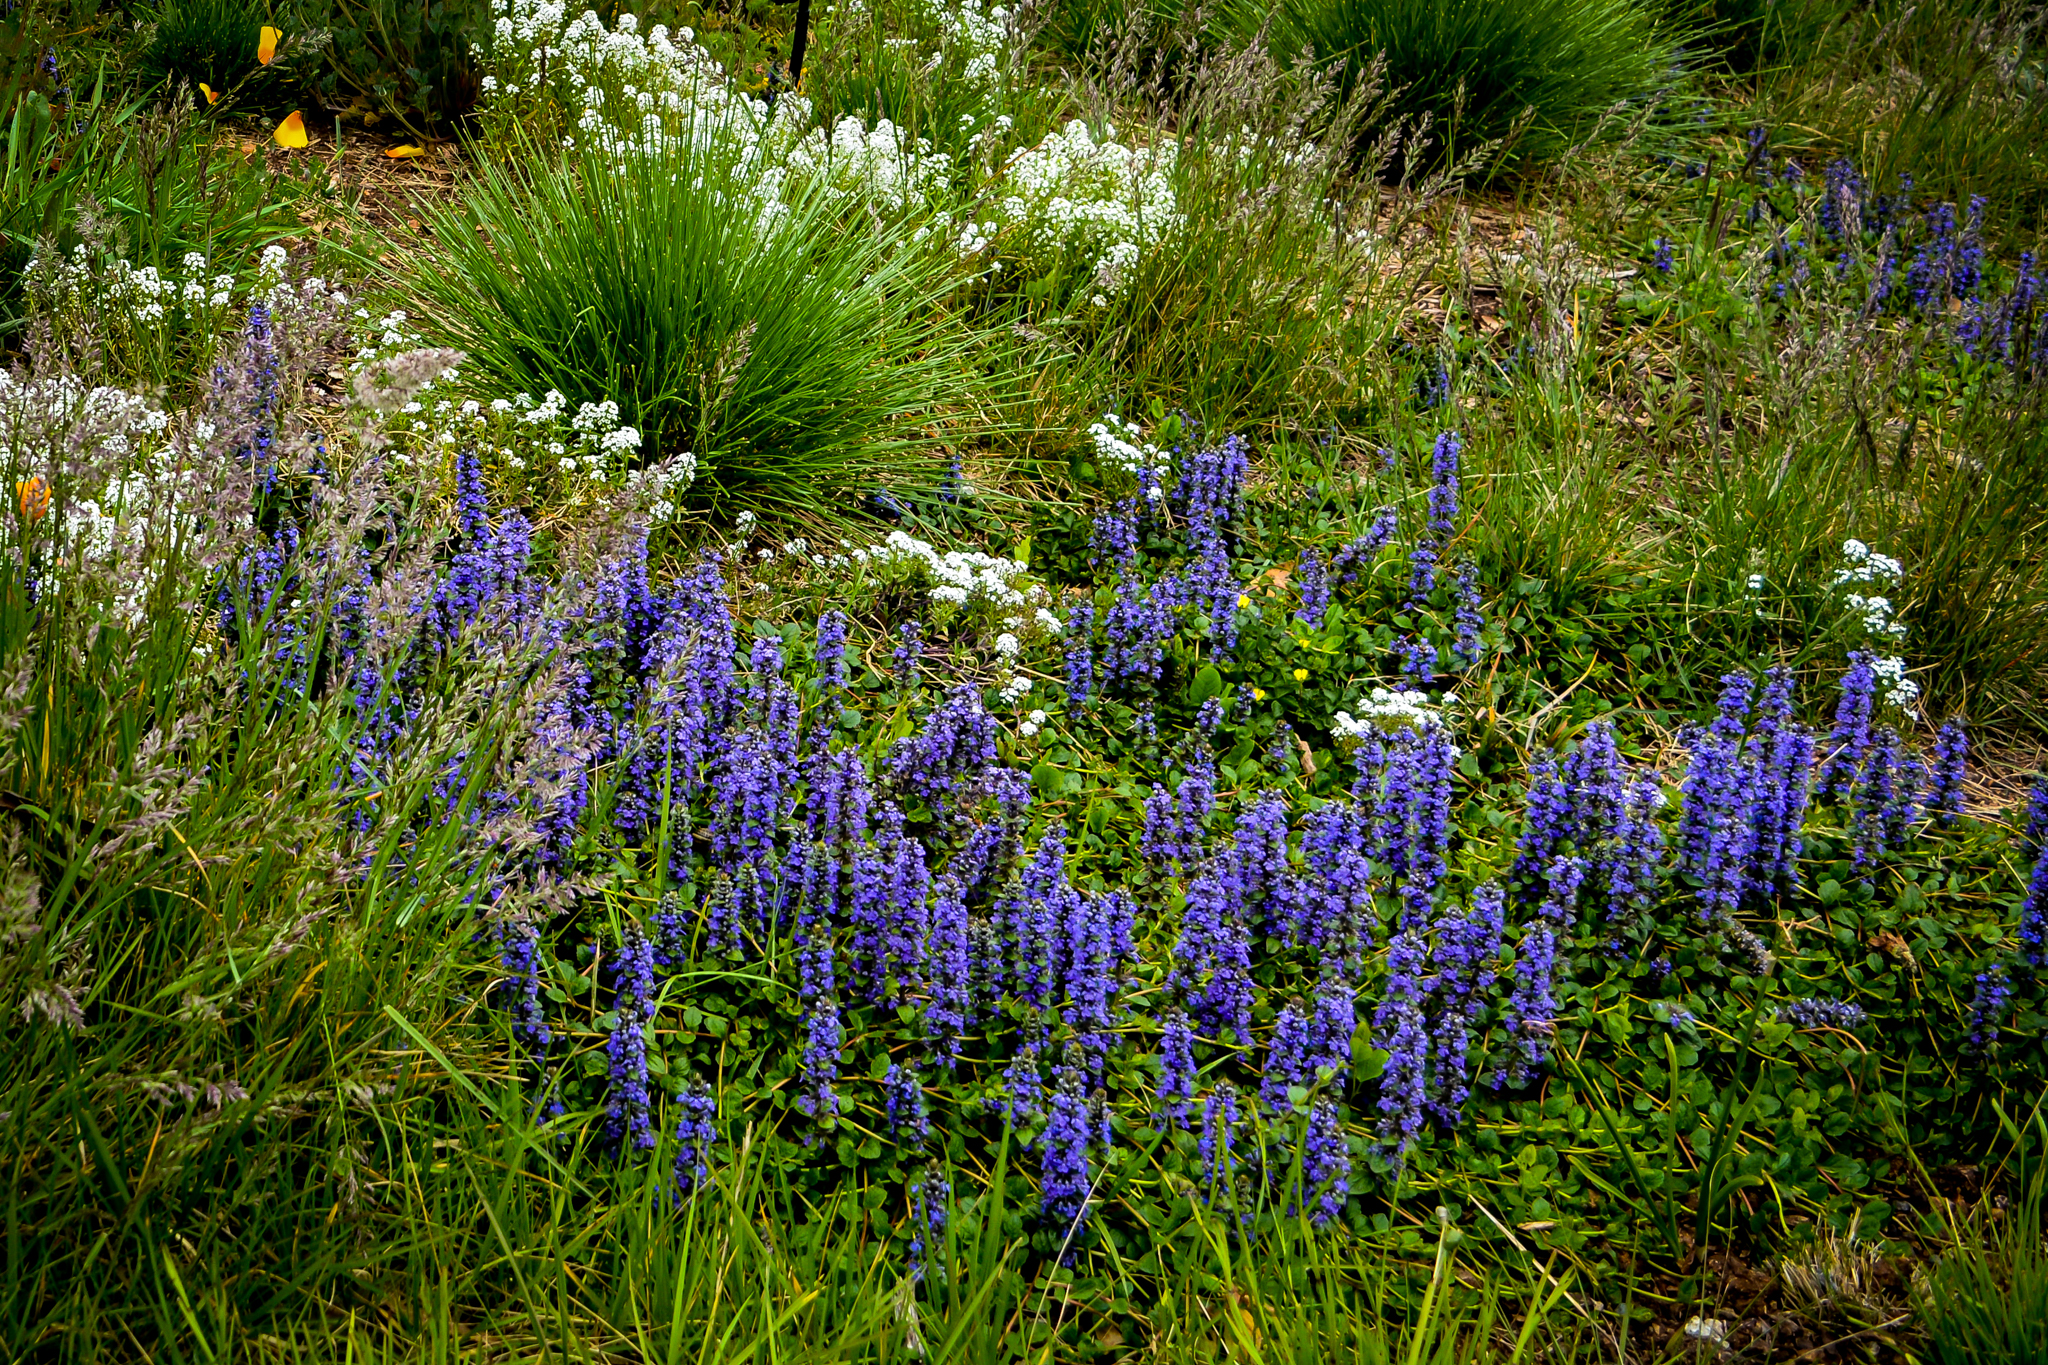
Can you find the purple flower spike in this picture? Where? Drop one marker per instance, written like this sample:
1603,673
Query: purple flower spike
1951,766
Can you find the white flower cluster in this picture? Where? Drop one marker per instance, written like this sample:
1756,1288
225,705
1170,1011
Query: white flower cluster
142,293
1875,614
1387,710
1073,197
1861,564
1070,199
133,305
590,444
632,93
1122,445
988,587
1032,723
658,488
135,486
1899,690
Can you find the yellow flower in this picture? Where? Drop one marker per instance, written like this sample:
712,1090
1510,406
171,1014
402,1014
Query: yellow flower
1258,694
1301,675
1244,599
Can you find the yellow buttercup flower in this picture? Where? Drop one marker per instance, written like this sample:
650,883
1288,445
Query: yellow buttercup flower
1258,694
1301,675
1244,599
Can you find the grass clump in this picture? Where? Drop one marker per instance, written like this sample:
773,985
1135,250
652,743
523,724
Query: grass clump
796,362
214,41
1534,76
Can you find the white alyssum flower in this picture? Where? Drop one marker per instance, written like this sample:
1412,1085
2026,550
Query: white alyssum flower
1899,690
1121,445
1385,710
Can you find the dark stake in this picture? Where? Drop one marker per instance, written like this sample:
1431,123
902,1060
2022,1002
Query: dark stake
797,41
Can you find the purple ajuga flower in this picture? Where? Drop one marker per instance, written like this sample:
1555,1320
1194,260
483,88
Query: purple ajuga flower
1357,556
1176,1067
1716,829
1326,1162
1884,799
1336,896
1033,919
1988,1009
949,952
1313,582
1402,1032
1782,765
815,1094
908,656
519,953
1849,741
929,1196
629,1119
696,1136
1259,870
1286,1058
1221,1120
1023,1088
1660,255
1115,537
1547,825
1469,620
1095,944
1080,651
1443,492
1951,765
1160,840
2033,926
1281,754
1063,1160
1531,1011
1212,957
958,739
903,1102
830,654
1633,870
1412,821
1140,622
1820,1012
1462,959
1332,1025
1418,658
1842,205
2035,837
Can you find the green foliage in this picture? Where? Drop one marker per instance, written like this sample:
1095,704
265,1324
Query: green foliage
1948,93
154,184
215,41
1534,76
418,63
945,77
1985,1300
801,359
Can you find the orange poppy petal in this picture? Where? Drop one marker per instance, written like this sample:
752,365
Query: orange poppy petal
292,132
212,97
405,149
266,45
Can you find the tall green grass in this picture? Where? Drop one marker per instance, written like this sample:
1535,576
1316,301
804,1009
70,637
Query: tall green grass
1533,76
1985,1300
1949,93
802,353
